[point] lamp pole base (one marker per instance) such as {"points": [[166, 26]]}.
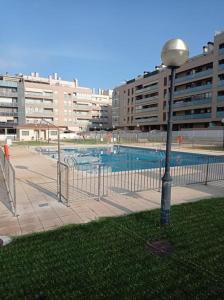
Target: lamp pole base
{"points": [[165, 200]]}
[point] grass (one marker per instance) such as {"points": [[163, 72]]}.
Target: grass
{"points": [[108, 259], [34, 143], [86, 142], [212, 148]]}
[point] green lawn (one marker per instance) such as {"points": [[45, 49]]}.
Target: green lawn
{"points": [[212, 148], [86, 141], [108, 259], [34, 143]]}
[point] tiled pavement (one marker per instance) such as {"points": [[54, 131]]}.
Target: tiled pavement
{"points": [[38, 208]]}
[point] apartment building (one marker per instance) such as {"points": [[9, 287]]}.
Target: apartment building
{"points": [[28, 99], [141, 102]]}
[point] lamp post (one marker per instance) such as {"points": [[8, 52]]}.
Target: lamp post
{"points": [[174, 54], [222, 133], [100, 132], [113, 132]]}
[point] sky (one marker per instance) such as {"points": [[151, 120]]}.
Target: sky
{"points": [[101, 43]]}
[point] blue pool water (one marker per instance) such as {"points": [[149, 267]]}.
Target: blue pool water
{"points": [[121, 158]]}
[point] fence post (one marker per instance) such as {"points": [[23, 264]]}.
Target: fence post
{"points": [[160, 174], [99, 181], [207, 170], [67, 185]]}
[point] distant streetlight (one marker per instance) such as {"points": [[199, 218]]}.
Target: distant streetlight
{"points": [[174, 54], [222, 133]]}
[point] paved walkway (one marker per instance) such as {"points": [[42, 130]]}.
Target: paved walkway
{"points": [[38, 209]]}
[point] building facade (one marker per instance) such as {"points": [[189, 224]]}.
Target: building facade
{"points": [[28, 99], [141, 103]]}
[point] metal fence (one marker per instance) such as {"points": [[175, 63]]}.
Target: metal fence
{"points": [[63, 182], [99, 180], [188, 137], [8, 173]]}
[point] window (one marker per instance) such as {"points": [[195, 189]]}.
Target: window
{"points": [[53, 132], [25, 133]]}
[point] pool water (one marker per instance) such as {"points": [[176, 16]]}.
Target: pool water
{"points": [[122, 158]]}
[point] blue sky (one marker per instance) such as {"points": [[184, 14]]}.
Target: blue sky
{"points": [[101, 43]]}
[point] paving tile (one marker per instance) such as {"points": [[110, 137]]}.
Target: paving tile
{"points": [[71, 219], [52, 223], [10, 230], [31, 228]]}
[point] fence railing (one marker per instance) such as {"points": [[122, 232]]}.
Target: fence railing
{"points": [[98, 180], [8, 173]]}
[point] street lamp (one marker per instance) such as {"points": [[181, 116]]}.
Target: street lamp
{"points": [[222, 133], [174, 54]]}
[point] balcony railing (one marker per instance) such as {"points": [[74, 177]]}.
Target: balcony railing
{"points": [[8, 83], [221, 83], [39, 95], [151, 120], [8, 104], [82, 107], [8, 94], [140, 101], [192, 103], [193, 89], [9, 114], [220, 114], [148, 110], [220, 98], [192, 116], [149, 88], [38, 113], [221, 67], [221, 51], [194, 76], [8, 124]]}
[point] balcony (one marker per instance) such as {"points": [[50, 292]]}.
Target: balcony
{"points": [[220, 114], [221, 83], [147, 89], [8, 114], [193, 89], [221, 51], [194, 76], [192, 116], [6, 83], [192, 103], [7, 104]]}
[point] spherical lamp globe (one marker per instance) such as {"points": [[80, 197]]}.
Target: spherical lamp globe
{"points": [[175, 53]]}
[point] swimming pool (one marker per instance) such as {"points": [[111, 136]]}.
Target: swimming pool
{"points": [[122, 158]]}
